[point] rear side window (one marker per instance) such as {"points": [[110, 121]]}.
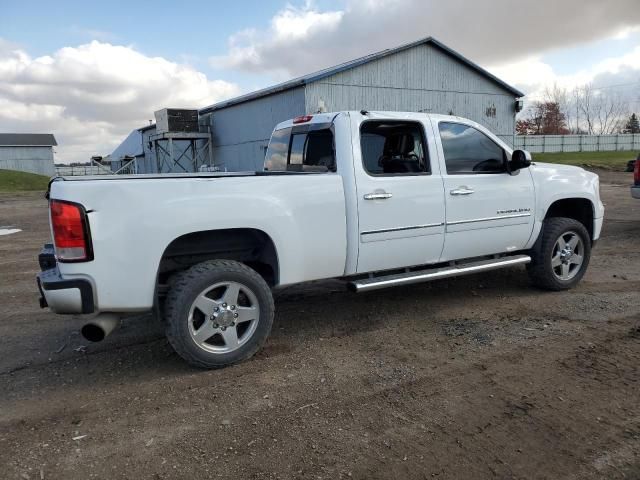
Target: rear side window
{"points": [[469, 151], [277, 151], [301, 151], [393, 148]]}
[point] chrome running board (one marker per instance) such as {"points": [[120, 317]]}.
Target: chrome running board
{"points": [[374, 283]]}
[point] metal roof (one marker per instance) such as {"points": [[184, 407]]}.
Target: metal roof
{"points": [[147, 127], [27, 140], [319, 75], [130, 146]]}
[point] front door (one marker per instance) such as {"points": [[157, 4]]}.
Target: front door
{"points": [[400, 196], [489, 211]]}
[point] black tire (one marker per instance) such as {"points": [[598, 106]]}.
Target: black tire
{"points": [[540, 270], [188, 285]]}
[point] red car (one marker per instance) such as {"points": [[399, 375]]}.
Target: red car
{"points": [[635, 188]]}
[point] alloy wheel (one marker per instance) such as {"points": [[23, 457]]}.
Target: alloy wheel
{"points": [[223, 317], [567, 256]]}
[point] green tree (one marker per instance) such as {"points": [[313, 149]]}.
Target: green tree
{"points": [[632, 125]]}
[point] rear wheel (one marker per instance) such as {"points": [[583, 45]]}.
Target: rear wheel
{"points": [[218, 313], [561, 255]]}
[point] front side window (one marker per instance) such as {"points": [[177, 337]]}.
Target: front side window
{"points": [[469, 151], [393, 148], [302, 151]]}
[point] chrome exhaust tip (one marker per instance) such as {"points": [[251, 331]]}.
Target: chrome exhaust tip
{"points": [[100, 327]]}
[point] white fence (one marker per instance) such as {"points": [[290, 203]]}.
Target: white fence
{"points": [[68, 171], [577, 143]]}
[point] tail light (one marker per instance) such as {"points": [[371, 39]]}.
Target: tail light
{"points": [[71, 234], [636, 172], [302, 119]]}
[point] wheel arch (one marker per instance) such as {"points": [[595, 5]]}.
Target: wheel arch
{"points": [[250, 246], [577, 208]]}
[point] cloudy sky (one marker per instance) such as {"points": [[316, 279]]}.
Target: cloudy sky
{"points": [[91, 73]]}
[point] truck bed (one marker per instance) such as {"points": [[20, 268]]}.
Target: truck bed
{"points": [[133, 222]]}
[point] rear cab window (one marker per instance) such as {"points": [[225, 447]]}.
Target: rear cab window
{"points": [[391, 147], [305, 148]]}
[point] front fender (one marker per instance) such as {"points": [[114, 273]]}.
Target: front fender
{"points": [[560, 182]]}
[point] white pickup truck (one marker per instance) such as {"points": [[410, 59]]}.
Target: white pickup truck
{"points": [[375, 198]]}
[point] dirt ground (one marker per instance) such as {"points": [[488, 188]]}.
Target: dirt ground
{"points": [[474, 377]]}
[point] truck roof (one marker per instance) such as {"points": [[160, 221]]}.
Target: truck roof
{"points": [[373, 114]]}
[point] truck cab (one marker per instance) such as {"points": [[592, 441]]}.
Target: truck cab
{"points": [[418, 187]]}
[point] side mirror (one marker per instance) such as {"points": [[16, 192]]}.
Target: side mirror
{"points": [[519, 159]]}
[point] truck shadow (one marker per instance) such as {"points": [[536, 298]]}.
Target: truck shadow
{"points": [[305, 313], [327, 309]]}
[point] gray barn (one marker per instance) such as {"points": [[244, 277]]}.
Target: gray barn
{"points": [[27, 152], [136, 145], [423, 76]]}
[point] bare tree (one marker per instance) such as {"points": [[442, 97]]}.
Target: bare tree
{"points": [[602, 112], [575, 106], [618, 113], [584, 100]]}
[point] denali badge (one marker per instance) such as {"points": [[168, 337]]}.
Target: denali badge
{"points": [[516, 210]]}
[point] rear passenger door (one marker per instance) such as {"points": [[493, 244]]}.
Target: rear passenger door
{"points": [[489, 211], [399, 195]]}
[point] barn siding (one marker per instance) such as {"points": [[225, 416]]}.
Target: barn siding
{"points": [[240, 133], [247, 156], [150, 162], [419, 79], [28, 159]]}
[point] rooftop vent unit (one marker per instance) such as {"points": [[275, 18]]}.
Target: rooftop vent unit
{"points": [[178, 143], [176, 120]]}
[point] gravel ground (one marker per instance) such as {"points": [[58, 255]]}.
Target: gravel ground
{"points": [[474, 377]]}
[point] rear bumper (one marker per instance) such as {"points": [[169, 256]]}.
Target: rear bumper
{"points": [[635, 191], [59, 294]]}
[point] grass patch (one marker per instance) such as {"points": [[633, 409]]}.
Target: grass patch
{"points": [[616, 161], [12, 181]]}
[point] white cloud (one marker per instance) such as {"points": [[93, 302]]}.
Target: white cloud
{"points": [[534, 75], [305, 39], [297, 23], [288, 27], [619, 64], [92, 95], [626, 32]]}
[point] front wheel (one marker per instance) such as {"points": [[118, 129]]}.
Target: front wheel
{"points": [[561, 255], [218, 313]]}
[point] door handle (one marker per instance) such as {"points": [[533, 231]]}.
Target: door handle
{"points": [[377, 196], [461, 191]]}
